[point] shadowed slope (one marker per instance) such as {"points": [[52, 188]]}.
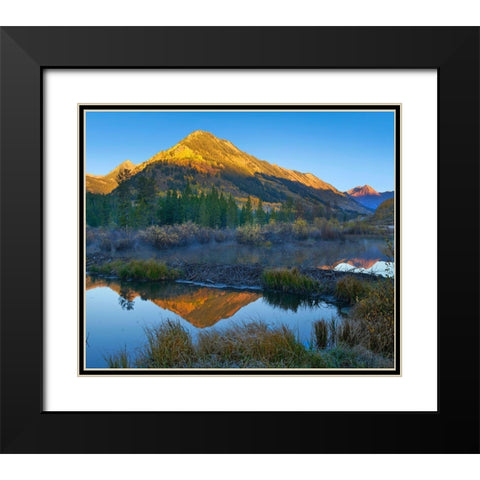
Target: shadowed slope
{"points": [[205, 160]]}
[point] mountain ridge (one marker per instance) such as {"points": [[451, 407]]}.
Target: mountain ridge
{"points": [[206, 160], [106, 183], [361, 191], [368, 196]]}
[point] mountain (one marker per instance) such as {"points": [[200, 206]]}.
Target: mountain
{"points": [[203, 160], [106, 183], [385, 212], [368, 196]]}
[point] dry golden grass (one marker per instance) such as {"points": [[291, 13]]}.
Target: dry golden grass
{"points": [[289, 281], [253, 343], [351, 289], [169, 345], [136, 270], [249, 345]]}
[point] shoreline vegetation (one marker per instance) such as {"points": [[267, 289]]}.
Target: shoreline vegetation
{"points": [[162, 237], [364, 339], [297, 280], [252, 345]]}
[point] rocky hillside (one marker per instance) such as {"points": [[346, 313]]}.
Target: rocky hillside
{"points": [[203, 160]]}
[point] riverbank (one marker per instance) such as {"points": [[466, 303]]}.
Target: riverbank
{"points": [[368, 325], [253, 345], [234, 275]]}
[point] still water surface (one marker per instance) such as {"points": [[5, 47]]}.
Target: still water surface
{"points": [[117, 313]]}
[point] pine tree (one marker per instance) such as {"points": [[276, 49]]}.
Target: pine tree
{"points": [[260, 215], [124, 204], [232, 212], [246, 215]]}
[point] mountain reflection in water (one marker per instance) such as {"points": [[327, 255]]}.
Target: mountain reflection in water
{"points": [[201, 306], [374, 266], [117, 313]]}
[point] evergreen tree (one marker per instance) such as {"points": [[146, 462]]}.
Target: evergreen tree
{"points": [[123, 193], [260, 215], [246, 215], [145, 201], [223, 210], [232, 212], [203, 216], [213, 207]]}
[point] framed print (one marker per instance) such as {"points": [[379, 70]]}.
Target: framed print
{"points": [[246, 267], [238, 230]]}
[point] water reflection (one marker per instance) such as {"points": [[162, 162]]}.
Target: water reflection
{"points": [[372, 267], [117, 313], [289, 301], [200, 306], [375, 266], [303, 253]]}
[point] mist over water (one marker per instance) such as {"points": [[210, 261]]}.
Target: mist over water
{"points": [[117, 313], [323, 253]]}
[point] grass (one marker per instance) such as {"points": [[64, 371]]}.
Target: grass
{"points": [[121, 359], [248, 345], [251, 345], [342, 356], [350, 289], [289, 281], [320, 331], [254, 344], [136, 270], [371, 321], [376, 317], [169, 345]]}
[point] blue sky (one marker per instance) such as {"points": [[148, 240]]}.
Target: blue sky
{"points": [[345, 149]]}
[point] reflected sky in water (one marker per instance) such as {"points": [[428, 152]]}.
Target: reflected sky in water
{"points": [[117, 313]]}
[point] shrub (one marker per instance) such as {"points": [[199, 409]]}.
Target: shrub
{"points": [[277, 232], [289, 281], [360, 227], [105, 243], [168, 236], [376, 316], [90, 236], [300, 229], [351, 289], [203, 235], [250, 235], [327, 229], [219, 236], [125, 243], [159, 237]]}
